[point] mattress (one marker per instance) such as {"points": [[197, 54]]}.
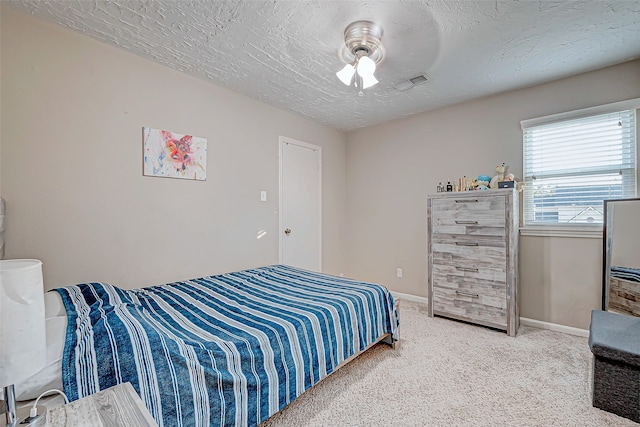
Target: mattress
{"points": [[231, 349]]}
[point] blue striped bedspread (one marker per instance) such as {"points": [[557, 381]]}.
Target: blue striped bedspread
{"points": [[231, 349], [627, 273]]}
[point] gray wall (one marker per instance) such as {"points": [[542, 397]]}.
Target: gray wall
{"points": [[393, 166], [71, 168]]}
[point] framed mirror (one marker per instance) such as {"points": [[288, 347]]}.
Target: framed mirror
{"points": [[621, 256]]}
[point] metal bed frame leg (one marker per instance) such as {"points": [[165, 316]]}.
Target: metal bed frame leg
{"points": [[388, 339]]}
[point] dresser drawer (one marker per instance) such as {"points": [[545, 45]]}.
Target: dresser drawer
{"points": [[471, 306], [469, 252], [452, 228], [469, 207], [485, 280], [469, 216]]}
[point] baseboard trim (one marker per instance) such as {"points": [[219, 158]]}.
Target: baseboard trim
{"points": [[409, 297], [523, 320], [554, 327]]}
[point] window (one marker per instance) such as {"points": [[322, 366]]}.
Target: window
{"points": [[574, 161]]}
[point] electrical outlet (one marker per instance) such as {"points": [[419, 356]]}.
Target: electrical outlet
{"points": [[398, 272]]}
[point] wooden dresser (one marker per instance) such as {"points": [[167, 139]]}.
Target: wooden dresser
{"points": [[472, 245]]}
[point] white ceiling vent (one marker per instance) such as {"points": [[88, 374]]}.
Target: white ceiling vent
{"points": [[409, 83]]}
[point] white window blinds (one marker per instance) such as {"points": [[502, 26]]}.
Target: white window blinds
{"points": [[571, 166]]}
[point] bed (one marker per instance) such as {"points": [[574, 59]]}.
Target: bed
{"points": [[230, 349], [624, 290]]}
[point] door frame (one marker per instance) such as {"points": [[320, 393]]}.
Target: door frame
{"points": [[282, 141]]}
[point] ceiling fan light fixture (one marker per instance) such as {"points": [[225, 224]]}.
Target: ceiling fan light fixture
{"points": [[368, 81], [346, 74], [366, 67], [362, 52]]}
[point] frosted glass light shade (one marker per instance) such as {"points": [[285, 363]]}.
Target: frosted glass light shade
{"points": [[346, 74], [368, 81], [22, 325], [366, 66]]}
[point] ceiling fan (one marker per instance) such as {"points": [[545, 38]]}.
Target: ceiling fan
{"points": [[362, 52]]}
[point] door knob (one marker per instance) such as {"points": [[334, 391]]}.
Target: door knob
{"points": [[287, 231]]}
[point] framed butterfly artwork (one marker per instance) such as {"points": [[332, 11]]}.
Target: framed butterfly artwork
{"points": [[174, 155]]}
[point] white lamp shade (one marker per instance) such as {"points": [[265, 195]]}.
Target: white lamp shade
{"points": [[346, 74], [368, 81], [22, 324], [366, 67]]}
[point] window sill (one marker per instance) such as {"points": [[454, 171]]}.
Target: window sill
{"points": [[589, 232]]}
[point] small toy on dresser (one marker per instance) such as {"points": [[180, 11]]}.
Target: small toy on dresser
{"points": [[510, 182], [500, 169], [483, 182]]}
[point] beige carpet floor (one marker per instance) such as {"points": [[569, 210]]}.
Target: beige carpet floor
{"points": [[449, 373]]}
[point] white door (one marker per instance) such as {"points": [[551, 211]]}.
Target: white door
{"points": [[300, 204]]}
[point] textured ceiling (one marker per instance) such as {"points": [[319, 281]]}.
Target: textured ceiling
{"points": [[285, 53]]}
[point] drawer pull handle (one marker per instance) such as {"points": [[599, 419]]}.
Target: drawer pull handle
{"points": [[467, 294], [467, 243], [475, 270], [466, 222], [467, 201]]}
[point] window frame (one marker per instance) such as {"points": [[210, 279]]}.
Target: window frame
{"points": [[576, 230]]}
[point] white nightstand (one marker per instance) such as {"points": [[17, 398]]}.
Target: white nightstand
{"points": [[117, 406]]}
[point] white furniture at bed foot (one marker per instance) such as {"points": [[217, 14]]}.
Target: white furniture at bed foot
{"points": [[117, 406]]}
